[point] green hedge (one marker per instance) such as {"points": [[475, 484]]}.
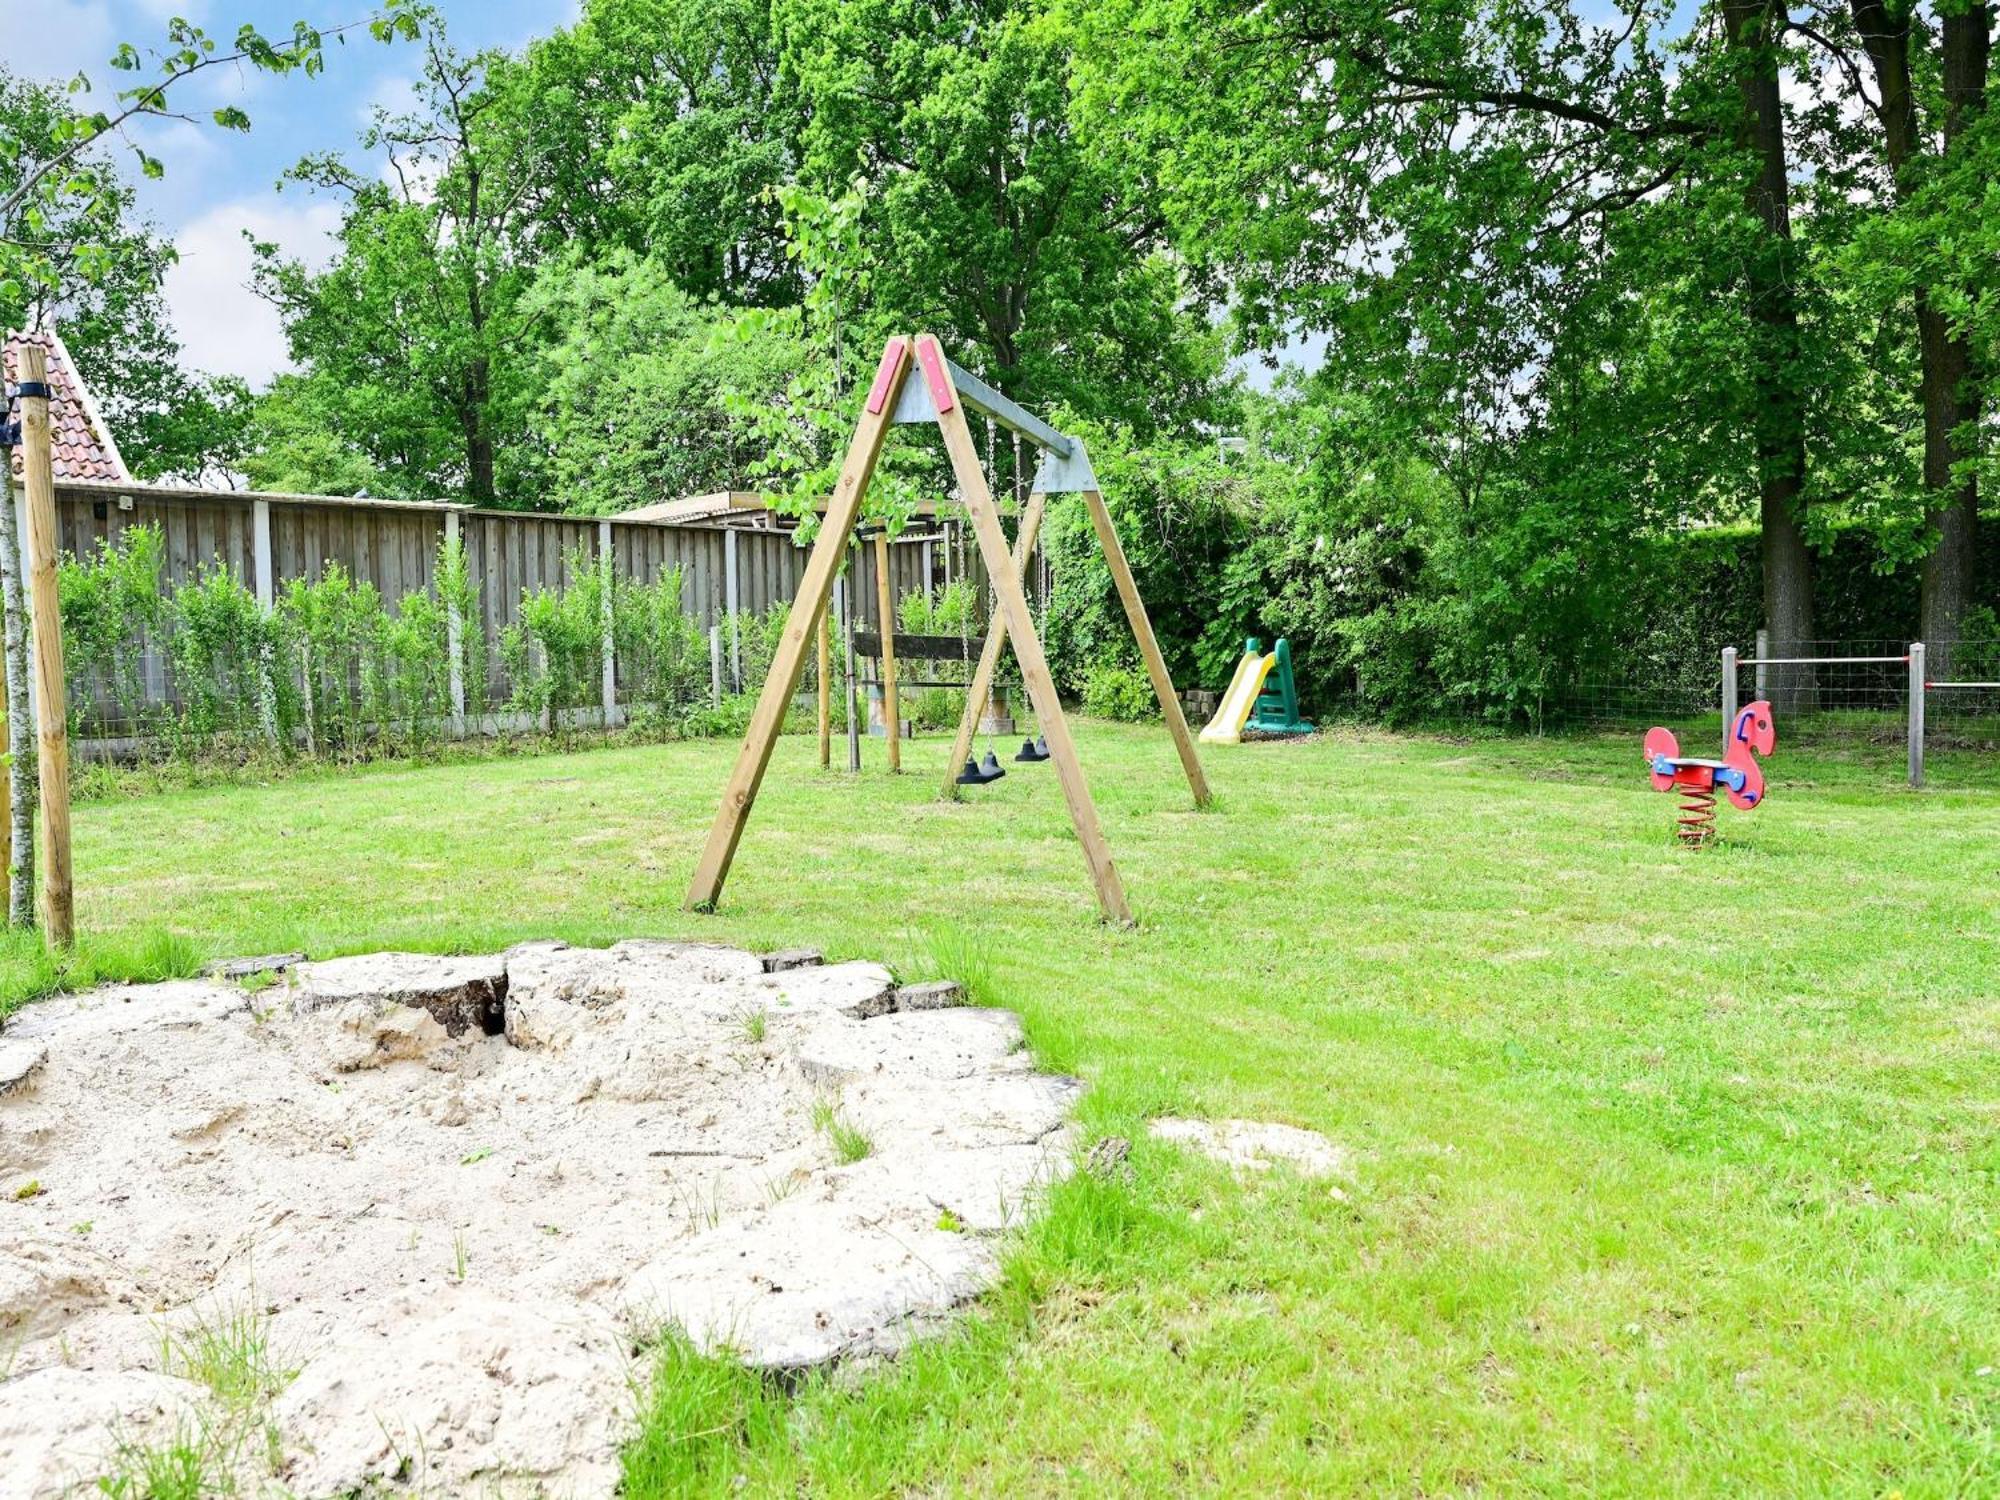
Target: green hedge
{"points": [[1402, 601], [1716, 572]]}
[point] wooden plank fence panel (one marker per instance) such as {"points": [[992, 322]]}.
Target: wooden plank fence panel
{"points": [[394, 545]]}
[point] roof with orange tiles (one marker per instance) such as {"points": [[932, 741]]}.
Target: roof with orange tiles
{"points": [[84, 447]]}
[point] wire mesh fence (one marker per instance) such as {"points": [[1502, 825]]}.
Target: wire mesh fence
{"points": [[1962, 696], [1848, 696]]}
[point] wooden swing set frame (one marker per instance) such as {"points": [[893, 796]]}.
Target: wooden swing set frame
{"points": [[943, 395]]}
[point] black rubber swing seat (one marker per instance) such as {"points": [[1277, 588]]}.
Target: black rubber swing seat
{"points": [[987, 770], [1034, 750]]}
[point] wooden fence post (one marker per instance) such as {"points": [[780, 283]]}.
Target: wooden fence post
{"points": [[52, 710]]}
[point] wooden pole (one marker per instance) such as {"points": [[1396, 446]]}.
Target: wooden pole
{"points": [[1027, 647], [885, 614], [51, 704], [740, 794], [825, 692], [981, 686], [1149, 647]]}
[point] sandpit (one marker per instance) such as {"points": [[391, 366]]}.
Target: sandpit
{"points": [[452, 1200]]}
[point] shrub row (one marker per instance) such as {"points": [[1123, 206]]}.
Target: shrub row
{"points": [[335, 670]]}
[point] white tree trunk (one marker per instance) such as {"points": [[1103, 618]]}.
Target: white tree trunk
{"points": [[20, 721]]}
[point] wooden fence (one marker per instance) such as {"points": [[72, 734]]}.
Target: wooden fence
{"points": [[268, 540]]}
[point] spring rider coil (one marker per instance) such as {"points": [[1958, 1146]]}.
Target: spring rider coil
{"points": [[1751, 734]]}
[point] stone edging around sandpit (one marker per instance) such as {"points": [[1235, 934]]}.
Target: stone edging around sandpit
{"points": [[452, 1196]]}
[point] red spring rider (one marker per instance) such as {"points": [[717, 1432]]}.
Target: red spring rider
{"points": [[1750, 735]]}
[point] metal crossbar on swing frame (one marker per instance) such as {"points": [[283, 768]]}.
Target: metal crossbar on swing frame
{"points": [[943, 394]]}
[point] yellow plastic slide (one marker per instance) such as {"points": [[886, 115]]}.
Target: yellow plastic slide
{"points": [[1226, 728]]}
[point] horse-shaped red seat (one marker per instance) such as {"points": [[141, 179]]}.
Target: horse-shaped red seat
{"points": [[1751, 734]]}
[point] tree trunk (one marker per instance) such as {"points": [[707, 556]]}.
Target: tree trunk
{"points": [[1778, 423], [1948, 394], [478, 435], [1951, 390], [22, 782], [1950, 410]]}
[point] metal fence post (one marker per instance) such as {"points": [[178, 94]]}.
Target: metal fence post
{"points": [[1728, 693], [267, 598], [454, 634], [847, 652], [731, 601], [1763, 672], [607, 571], [1916, 713], [260, 553]]}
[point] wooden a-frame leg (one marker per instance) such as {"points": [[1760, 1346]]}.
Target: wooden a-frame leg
{"points": [[981, 685], [885, 617], [814, 588], [1034, 668], [1149, 647]]}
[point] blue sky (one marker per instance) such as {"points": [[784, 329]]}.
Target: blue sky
{"points": [[219, 183]]}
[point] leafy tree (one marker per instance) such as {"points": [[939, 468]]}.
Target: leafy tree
{"points": [[1917, 82], [992, 220], [102, 289], [1445, 192], [293, 442], [633, 404], [418, 326], [658, 131], [800, 428]]}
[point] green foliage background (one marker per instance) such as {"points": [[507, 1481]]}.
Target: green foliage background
{"points": [[1564, 361]]}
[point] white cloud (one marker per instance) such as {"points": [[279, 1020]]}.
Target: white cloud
{"points": [[394, 92], [224, 327], [67, 37]]}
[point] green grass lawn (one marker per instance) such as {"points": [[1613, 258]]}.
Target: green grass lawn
{"points": [[1677, 1171]]}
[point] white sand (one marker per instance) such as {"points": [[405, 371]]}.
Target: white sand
{"points": [[458, 1241]]}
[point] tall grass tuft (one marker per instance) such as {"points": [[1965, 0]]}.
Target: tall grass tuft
{"points": [[956, 952], [31, 970], [184, 1467], [707, 1425], [230, 1353]]}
